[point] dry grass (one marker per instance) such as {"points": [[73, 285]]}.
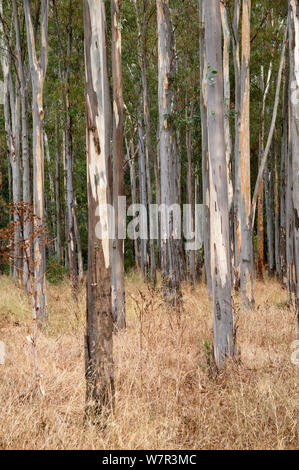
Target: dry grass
{"points": [[166, 394]]}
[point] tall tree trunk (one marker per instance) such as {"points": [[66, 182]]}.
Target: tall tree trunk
{"points": [[143, 198], [64, 72], [219, 207], [131, 158], [168, 157], [245, 194], [38, 70], [294, 104], [237, 160], [99, 367], [260, 218], [276, 211], [118, 282], [283, 176], [268, 183], [12, 131], [204, 145], [59, 250], [25, 135], [190, 193], [142, 58]]}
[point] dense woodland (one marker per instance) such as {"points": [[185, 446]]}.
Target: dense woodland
{"points": [[186, 102]]}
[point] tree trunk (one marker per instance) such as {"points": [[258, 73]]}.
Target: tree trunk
{"points": [[118, 282], [59, 250], [294, 104], [190, 194], [283, 176], [25, 136], [142, 57], [204, 145], [99, 367], [219, 207], [38, 70], [260, 218], [245, 193], [237, 161], [143, 199], [168, 158]]}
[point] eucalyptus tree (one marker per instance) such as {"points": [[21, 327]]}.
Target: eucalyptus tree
{"points": [[246, 271], [219, 203], [99, 368], [118, 282], [23, 83], [38, 69], [294, 126], [168, 156], [11, 89], [204, 145]]}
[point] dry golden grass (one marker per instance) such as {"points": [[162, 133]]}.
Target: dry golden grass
{"points": [[167, 396]]}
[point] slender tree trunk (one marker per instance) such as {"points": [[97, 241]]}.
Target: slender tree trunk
{"points": [[283, 176], [59, 250], [294, 104], [99, 368], [131, 158], [25, 136], [204, 145], [237, 160], [51, 203], [38, 70], [168, 158], [245, 193], [142, 56], [143, 199], [190, 193], [268, 178], [219, 207], [260, 224], [12, 131], [118, 282], [79, 247], [276, 211]]}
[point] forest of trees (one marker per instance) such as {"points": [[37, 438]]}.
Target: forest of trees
{"points": [[188, 106]]}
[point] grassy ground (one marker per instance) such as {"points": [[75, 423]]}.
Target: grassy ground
{"points": [[166, 394]]}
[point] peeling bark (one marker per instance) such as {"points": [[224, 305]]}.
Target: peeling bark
{"points": [[99, 368], [38, 70], [219, 204], [170, 256]]}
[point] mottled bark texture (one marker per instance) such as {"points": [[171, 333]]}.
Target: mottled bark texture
{"points": [[219, 204], [294, 114], [38, 70], [170, 256], [246, 271], [204, 146], [118, 281], [99, 339]]}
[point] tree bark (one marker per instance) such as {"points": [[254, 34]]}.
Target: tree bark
{"points": [[204, 145], [118, 282], [245, 192], [99, 367], [168, 157], [294, 114], [38, 70], [219, 206]]}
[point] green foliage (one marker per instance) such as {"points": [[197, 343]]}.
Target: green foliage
{"points": [[55, 272]]}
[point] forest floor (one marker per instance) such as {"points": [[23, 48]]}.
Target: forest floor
{"points": [[167, 394]]}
